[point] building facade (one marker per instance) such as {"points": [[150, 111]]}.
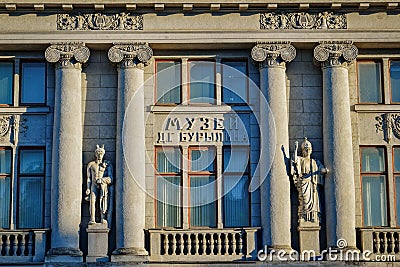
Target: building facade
{"points": [[231, 132]]}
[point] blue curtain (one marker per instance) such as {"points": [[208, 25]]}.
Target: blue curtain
{"points": [[236, 201], [202, 201], [168, 201], [5, 202]]}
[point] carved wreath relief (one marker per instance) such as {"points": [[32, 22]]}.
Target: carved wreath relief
{"points": [[388, 123], [98, 21], [302, 20]]}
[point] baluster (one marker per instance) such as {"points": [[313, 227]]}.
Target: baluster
{"points": [[384, 242], [396, 242], [30, 243], [196, 244], [219, 245], [14, 245], [226, 243], [204, 245], [376, 242], [22, 244], [189, 244], [241, 243], [166, 244], [212, 244], [173, 244], [7, 245]]}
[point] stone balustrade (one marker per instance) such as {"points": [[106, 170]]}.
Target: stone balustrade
{"points": [[203, 245], [382, 241], [22, 246]]}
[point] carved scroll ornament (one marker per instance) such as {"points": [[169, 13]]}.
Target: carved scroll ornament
{"points": [[130, 54], [335, 53], [389, 124], [273, 54], [64, 52]]}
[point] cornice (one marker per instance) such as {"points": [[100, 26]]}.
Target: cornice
{"points": [[199, 5]]}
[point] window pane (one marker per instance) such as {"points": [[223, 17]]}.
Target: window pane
{"points": [[202, 82], [236, 201], [397, 181], [395, 80], [168, 202], [374, 200], [5, 161], [6, 82], [5, 202], [31, 161], [396, 157], [373, 159], [236, 159], [168, 82], [33, 82], [169, 160], [234, 81], [202, 159], [202, 201], [30, 211], [369, 82]]}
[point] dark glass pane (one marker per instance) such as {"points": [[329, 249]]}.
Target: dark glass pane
{"points": [[5, 161], [168, 82], [234, 82], [397, 181], [369, 82], [33, 82], [202, 82], [203, 201], [396, 158], [5, 202], [30, 209], [6, 82], [168, 202], [202, 159], [31, 161], [236, 159], [374, 200], [395, 80], [236, 201], [373, 159], [169, 160]]}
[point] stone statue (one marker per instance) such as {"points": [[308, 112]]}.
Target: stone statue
{"points": [[307, 174], [100, 187]]}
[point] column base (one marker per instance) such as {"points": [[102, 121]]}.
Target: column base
{"points": [[64, 254], [130, 255]]}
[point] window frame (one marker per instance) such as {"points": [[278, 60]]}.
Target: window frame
{"points": [[168, 174], [382, 82], [155, 82], [10, 175], [384, 173], [204, 174], [18, 183], [12, 83], [21, 77], [390, 80], [244, 60]]}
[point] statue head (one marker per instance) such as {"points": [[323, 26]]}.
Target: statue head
{"points": [[99, 152], [306, 148]]}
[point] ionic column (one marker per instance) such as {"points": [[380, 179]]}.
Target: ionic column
{"points": [[66, 184], [274, 130], [130, 151], [338, 151]]}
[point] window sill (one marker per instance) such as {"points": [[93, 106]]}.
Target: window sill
{"points": [[25, 110], [372, 108]]}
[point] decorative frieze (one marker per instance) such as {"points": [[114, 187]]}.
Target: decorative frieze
{"points": [[302, 20], [273, 53], [130, 54], [64, 52], [388, 123], [99, 21], [335, 53]]}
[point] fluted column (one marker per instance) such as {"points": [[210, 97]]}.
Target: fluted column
{"points": [[338, 150], [130, 150], [274, 130], [66, 184]]}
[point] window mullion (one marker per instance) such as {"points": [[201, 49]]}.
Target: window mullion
{"points": [[386, 81], [17, 67], [219, 187], [185, 187], [218, 80], [390, 188], [184, 80], [14, 188]]}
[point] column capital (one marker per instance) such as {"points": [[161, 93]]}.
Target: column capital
{"points": [[335, 53], [64, 52], [273, 54], [130, 54]]}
